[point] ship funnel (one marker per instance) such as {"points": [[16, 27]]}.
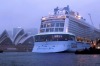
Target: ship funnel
{"points": [[67, 9], [56, 10]]}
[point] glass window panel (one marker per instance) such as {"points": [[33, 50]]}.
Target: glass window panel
{"points": [[54, 37], [48, 24], [51, 29], [57, 24], [42, 30], [61, 24], [52, 24], [47, 30], [61, 29], [56, 29]]}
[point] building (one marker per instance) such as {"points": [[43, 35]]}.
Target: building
{"points": [[21, 41], [15, 30], [5, 41]]}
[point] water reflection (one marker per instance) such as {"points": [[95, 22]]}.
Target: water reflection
{"points": [[95, 56], [88, 60], [49, 59]]}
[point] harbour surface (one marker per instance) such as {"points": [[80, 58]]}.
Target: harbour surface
{"points": [[48, 59]]}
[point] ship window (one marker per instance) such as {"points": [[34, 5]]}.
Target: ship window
{"points": [[57, 24], [56, 29], [54, 37], [48, 24], [42, 30], [52, 24], [61, 24], [51, 29], [44, 25], [47, 30], [61, 29]]}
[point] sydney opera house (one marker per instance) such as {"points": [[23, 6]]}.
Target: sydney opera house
{"points": [[21, 41]]}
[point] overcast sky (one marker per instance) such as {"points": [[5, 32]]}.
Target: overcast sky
{"points": [[27, 13]]}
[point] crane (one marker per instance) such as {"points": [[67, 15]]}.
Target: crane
{"points": [[91, 19]]}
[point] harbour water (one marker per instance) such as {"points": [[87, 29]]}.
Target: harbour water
{"points": [[47, 59]]}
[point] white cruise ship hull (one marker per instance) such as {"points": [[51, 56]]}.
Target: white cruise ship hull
{"points": [[56, 46]]}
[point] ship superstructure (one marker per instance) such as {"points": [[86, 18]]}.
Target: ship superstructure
{"points": [[66, 20]]}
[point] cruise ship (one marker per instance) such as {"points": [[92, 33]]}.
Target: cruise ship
{"points": [[65, 30]]}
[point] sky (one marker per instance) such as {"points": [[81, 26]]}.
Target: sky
{"points": [[28, 13]]}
